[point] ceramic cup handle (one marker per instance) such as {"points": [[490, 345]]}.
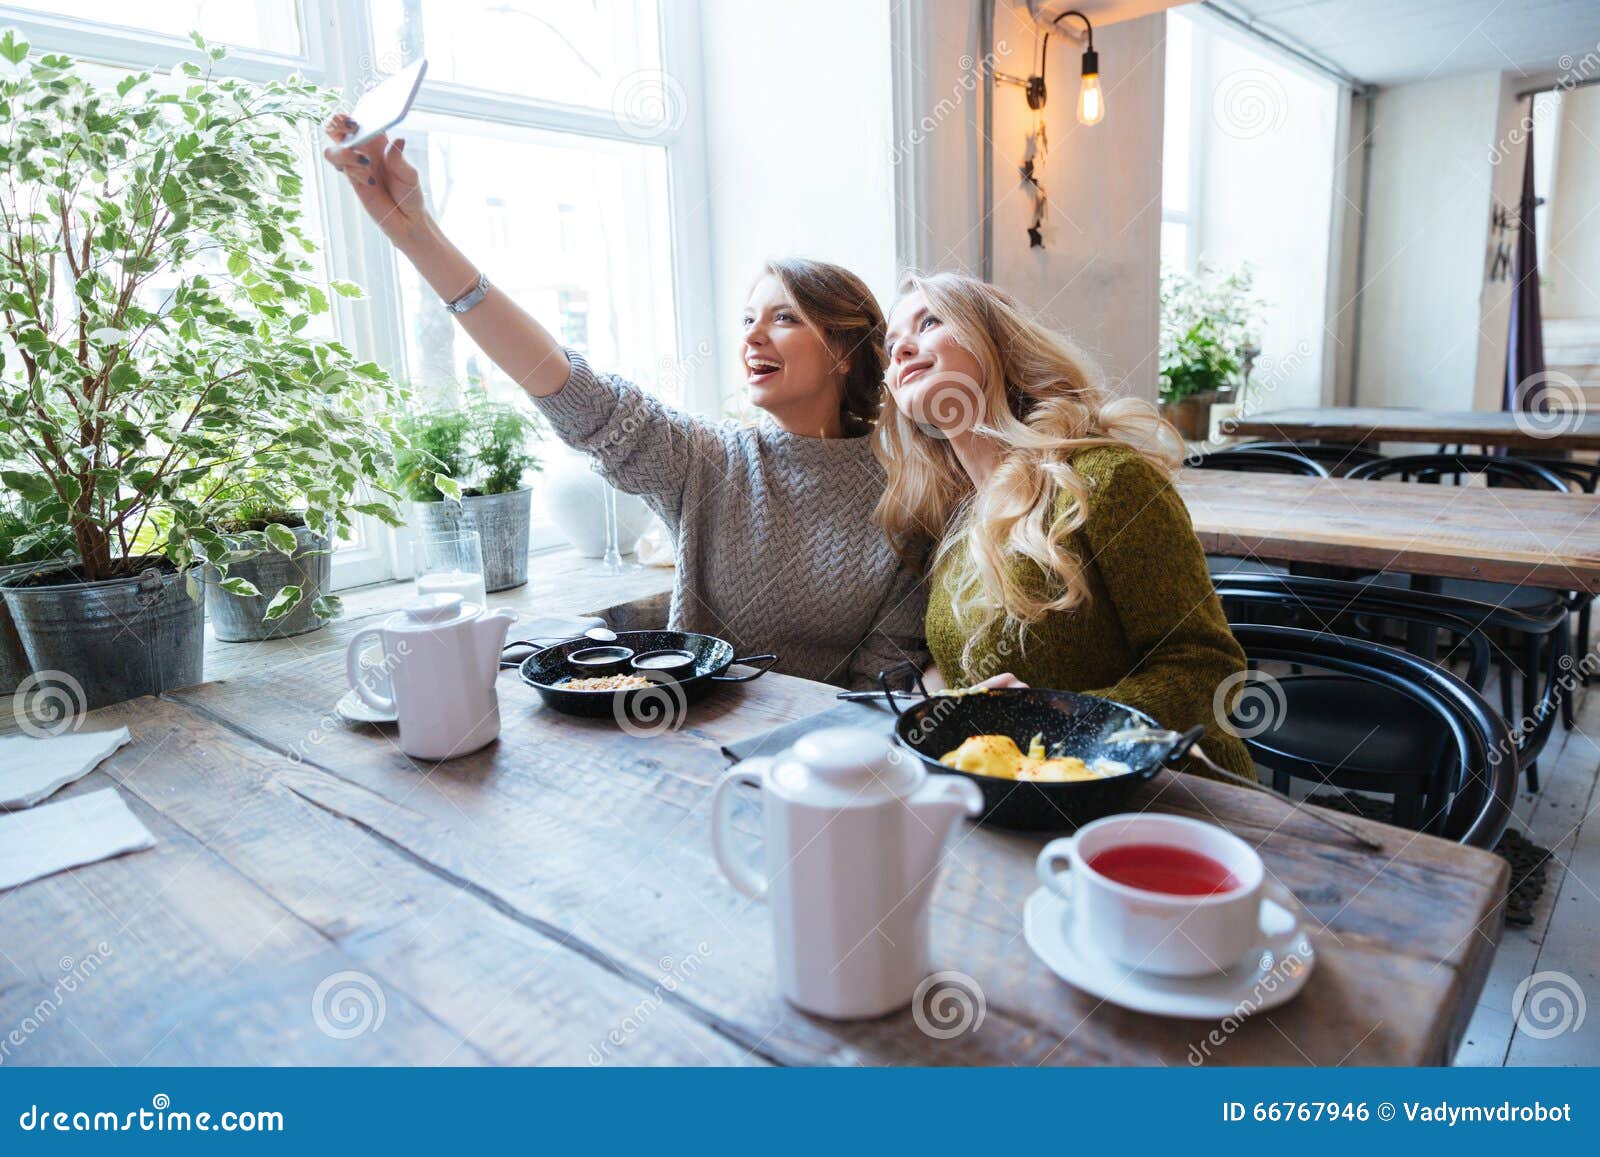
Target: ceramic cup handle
{"points": [[1056, 853], [1277, 936], [743, 875], [356, 673]]}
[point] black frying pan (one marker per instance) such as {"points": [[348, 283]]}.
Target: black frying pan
{"points": [[547, 668], [1071, 724]]}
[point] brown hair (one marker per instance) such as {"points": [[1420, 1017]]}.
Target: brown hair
{"points": [[839, 306]]}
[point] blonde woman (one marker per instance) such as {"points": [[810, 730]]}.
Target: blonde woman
{"points": [[1064, 556], [776, 548]]}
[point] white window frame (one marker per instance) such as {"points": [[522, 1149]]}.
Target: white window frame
{"points": [[337, 49]]}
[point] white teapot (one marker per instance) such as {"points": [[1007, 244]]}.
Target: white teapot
{"points": [[440, 660], [854, 832]]}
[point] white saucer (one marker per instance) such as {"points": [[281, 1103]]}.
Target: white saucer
{"points": [[358, 710], [1260, 982]]}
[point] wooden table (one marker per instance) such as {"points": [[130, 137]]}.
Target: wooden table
{"points": [[553, 899], [1571, 430], [1543, 539]]}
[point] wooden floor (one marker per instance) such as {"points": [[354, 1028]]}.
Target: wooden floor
{"points": [[1565, 937]]}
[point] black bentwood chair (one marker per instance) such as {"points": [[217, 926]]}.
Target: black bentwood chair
{"points": [[1389, 615], [1475, 760], [1497, 471], [1337, 458], [1252, 462]]}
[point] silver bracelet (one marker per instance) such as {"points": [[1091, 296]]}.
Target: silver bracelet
{"points": [[471, 298]]}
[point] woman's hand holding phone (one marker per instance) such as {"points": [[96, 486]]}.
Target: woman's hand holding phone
{"points": [[385, 182]]}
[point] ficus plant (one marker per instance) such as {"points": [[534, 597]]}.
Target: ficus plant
{"points": [[163, 373]]}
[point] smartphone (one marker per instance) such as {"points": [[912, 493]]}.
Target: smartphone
{"points": [[386, 103]]}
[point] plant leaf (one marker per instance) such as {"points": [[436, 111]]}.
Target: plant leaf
{"points": [[280, 538], [328, 607], [282, 603], [239, 586], [447, 486]]}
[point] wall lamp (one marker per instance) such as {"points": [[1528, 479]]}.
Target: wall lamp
{"points": [[1091, 101]]}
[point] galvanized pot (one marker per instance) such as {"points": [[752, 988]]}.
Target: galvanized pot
{"points": [[502, 522], [238, 618], [113, 640]]}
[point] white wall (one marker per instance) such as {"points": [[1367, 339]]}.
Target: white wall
{"points": [[1427, 235], [1572, 267], [1264, 141], [798, 124], [1098, 276]]}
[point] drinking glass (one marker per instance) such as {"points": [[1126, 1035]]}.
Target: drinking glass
{"points": [[614, 562], [450, 563]]}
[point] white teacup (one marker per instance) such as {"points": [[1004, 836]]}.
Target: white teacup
{"points": [[1164, 933]]}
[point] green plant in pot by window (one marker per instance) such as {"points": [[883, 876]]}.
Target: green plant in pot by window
{"points": [[17, 525], [463, 470], [279, 570], [1209, 321], [156, 306]]}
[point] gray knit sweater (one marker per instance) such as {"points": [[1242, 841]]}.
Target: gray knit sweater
{"points": [[776, 546]]}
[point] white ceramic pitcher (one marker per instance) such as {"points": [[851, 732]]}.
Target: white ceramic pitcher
{"points": [[854, 832], [440, 660]]}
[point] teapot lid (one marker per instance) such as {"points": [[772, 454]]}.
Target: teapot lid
{"points": [[430, 612], [846, 767]]}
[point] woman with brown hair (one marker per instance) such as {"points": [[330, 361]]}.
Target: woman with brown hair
{"points": [[776, 547], [1063, 558]]}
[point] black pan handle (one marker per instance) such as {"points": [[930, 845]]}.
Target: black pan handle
{"points": [[749, 661], [1182, 744], [905, 666]]}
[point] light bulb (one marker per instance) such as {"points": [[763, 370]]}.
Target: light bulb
{"points": [[1091, 101]]}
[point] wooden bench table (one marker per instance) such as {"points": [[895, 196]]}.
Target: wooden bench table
{"points": [[553, 899]]}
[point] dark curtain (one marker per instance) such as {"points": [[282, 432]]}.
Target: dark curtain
{"points": [[1525, 350]]}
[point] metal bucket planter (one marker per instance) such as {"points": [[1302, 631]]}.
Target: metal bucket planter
{"points": [[113, 640], [13, 663], [238, 618], [502, 522]]}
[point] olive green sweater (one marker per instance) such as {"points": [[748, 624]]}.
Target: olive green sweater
{"points": [[1152, 634]]}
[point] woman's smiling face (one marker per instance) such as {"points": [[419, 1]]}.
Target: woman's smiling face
{"points": [[788, 366], [932, 377]]}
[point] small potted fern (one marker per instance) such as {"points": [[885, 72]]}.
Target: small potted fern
{"points": [[463, 470]]}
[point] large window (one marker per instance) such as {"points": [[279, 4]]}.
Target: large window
{"points": [[1248, 180], [552, 135]]}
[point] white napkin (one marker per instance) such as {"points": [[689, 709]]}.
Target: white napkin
{"points": [[81, 830], [31, 769]]}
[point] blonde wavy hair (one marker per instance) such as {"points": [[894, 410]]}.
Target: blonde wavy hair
{"points": [[1041, 398]]}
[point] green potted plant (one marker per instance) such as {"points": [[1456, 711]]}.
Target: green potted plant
{"points": [[463, 470], [279, 573], [1208, 324], [157, 306]]}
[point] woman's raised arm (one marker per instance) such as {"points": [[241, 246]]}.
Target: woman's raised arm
{"points": [[387, 185]]}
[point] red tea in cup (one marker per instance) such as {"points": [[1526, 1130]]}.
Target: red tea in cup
{"points": [[1164, 868]]}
